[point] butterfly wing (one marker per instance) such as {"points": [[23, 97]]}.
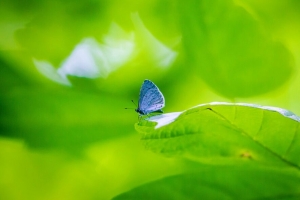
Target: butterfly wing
{"points": [[151, 99]]}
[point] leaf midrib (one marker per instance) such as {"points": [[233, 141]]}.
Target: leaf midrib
{"points": [[256, 141]]}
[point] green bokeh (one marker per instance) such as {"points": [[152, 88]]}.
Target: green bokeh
{"points": [[76, 141]]}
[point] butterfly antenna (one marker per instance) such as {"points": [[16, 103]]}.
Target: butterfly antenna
{"points": [[133, 102]]}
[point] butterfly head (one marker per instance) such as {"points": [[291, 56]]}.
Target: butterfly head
{"points": [[140, 111]]}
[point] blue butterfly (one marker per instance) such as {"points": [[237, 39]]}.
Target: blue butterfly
{"points": [[151, 99]]}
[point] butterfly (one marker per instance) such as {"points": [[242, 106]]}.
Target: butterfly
{"points": [[151, 99]]}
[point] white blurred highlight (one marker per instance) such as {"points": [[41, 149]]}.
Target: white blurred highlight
{"points": [[89, 59], [164, 119]]}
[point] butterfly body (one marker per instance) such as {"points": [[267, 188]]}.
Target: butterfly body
{"points": [[145, 113], [150, 100]]}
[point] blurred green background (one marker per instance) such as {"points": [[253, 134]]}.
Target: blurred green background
{"points": [[69, 68]]}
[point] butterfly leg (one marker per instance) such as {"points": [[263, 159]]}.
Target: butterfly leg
{"points": [[148, 116], [140, 117]]}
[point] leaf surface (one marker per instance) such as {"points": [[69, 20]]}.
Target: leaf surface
{"points": [[222, 132], [231, 50], [228, 183]]}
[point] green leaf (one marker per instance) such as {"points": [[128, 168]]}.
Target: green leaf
{"points": [[62, 118], [228, 183], [226, 132], [231, 51]]}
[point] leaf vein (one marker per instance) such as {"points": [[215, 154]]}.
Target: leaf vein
{"points": [[292, 142], [256, 141]]}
